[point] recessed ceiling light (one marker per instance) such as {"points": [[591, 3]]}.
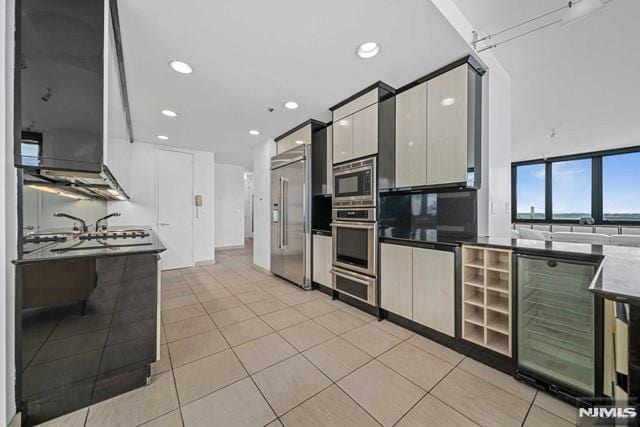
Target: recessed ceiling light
{"points": [[169, 113], [254, 132], [448, 101], [290, 105], [163, 137], [181, 67], [368, 50]]}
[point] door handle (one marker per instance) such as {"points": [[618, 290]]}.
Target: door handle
{"points": [[285, 197]]}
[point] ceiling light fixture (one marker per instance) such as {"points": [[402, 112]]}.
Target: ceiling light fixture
{"points": [[169, 113], [447, 101], [254, 132], [163, 137], [368, 50], [181, 67], [290, 105]]}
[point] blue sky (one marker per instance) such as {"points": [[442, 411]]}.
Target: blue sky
{"points": [[572, 185]]}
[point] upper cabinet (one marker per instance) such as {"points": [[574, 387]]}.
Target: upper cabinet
{"points": [[438, 129], [294, 138], [358, 123]]}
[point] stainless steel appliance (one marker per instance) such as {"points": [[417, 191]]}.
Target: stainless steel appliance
{"points": [[354, 183], [559, 334], [290, 221], [355, 238]]}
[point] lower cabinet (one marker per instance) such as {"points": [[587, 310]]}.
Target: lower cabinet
{"points": [[419, 284], [322, 260]]}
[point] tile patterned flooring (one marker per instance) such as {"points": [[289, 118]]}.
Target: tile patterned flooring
{"points": [[243, 348]]}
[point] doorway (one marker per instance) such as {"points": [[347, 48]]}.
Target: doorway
{"points": [[175, 208]]}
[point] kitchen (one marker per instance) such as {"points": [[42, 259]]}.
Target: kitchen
{"points": [[392, 276]]}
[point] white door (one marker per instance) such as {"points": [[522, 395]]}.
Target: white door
{"points": [[175, 208]]}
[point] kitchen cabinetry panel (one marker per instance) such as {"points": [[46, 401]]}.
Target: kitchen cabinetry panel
{"points": [[396, 292], [367, 99], [411, 137], [329, 189], [447, 130], [434, 289], [365, 132], [343, 140], [301, 136], [322, 260]]}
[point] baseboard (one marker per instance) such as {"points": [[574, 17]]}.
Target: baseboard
{"points": [[222, 248], [205, 262]]}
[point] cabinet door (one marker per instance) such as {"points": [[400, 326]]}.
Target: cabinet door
{"points": [[411, 137], [433, 289], [447, 127], [343, 140], [365, 132], [322, 260], [395, 279]]}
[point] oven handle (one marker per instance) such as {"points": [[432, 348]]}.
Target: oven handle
{"points": [[358, 225], [352, 276]]}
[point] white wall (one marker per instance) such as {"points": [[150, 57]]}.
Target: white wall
{"points": [[229, 205], [8, 223], [141, 209], [262, 154], [248, 204]]}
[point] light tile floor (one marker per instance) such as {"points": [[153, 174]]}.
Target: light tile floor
{"points": [[243, 348]]}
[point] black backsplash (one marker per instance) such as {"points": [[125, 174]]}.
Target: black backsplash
{"points": [[321, 213], [448, 214]]}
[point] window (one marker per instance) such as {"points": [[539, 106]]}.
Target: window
{"points": [[621, 187], [530, 190], [571, 189], [603, 186], [30, 150]]}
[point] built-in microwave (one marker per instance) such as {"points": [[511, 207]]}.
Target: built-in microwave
{"points": [[354, 183]]}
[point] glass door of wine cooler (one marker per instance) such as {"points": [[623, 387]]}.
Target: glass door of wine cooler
{"points": [[556, 315]]}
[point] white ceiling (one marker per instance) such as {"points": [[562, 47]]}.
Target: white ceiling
{"points": [[249, 55], [580, 79]]}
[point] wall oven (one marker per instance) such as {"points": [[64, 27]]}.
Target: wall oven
{"points": [[354, 183], [355, 236]]}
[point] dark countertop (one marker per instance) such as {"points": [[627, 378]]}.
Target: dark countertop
{"points": [[321, 232], [618, 274], [74, 247]]}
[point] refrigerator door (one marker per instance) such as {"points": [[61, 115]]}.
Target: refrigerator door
{"points": [[293, 178], [277, 251], [556, 312]]}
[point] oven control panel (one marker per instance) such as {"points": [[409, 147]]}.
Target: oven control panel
{"points": [[364, 215]]}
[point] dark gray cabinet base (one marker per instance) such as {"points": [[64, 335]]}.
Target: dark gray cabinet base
{"points": [[75, 351]]}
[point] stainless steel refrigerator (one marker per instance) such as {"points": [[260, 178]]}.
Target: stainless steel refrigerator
{"points": [[290, 218]]}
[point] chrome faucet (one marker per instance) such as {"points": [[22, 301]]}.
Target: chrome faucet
{"points": [[75, 218], [104, 218]]}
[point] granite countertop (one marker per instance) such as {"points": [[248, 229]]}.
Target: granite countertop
{"points": [[74, 247], [618, 274]]}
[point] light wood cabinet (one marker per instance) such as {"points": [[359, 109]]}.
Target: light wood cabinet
{"points": [[322, 247], [486, 297], [419, 284], [434, 289], [330, 159], [447, 127], [343, 140], [365, 131], [293, 140], [437, 131], [396, 275], [411, 137]]}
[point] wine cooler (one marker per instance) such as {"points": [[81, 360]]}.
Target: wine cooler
{"points": [[558, 325]]}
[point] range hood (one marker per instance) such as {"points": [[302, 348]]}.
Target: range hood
{"points": [[71, 99], [75, 184]]}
